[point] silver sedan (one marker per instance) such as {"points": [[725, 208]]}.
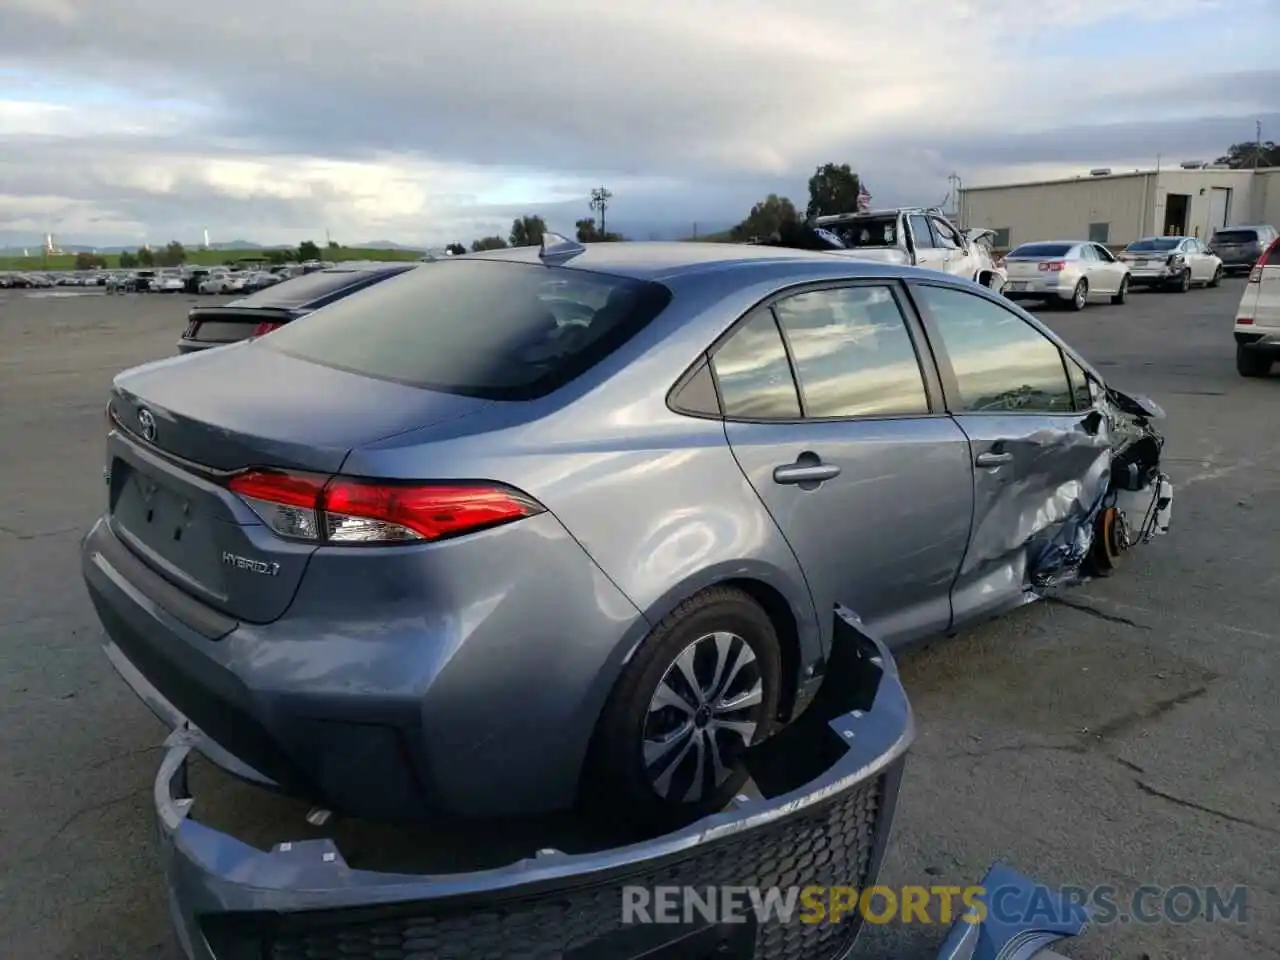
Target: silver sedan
{"points": [[1065, 271]]}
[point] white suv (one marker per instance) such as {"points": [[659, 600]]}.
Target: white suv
{"points": [[1258, 317]]}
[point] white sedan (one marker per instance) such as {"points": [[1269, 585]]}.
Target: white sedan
{"points": [[1068, 272], [1172, 263], [168, 283], [1258, 317], [222, 283]]}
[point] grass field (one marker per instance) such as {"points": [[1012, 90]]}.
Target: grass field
{"points": [[210, 258]]}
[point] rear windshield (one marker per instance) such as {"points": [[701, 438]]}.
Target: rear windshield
{"points": [[1154, 246], [1042, 250], [483, 328], [1235, 236], [301, 290]]}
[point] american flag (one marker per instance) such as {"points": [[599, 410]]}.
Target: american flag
{"points": [[864, 198]]}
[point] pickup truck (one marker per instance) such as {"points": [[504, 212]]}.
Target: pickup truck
{"points": [[913, 236]]}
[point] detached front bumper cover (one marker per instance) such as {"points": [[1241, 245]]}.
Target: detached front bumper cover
{"points": [[828, 786]]}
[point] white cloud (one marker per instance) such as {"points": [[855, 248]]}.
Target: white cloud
{"points": [[391, 119]]}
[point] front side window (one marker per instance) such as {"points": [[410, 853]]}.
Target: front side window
{"points": [[1080, 388], [753, 373], [920, 231], [1001, 362], [853, 354], [946, 237]]}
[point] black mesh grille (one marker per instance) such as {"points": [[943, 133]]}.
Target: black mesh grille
{"points": [[833, 844]]}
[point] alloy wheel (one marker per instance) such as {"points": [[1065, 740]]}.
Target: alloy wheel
{"points": [[703, 714]]}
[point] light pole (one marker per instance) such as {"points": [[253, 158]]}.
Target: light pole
{"points": [[600, 198]]}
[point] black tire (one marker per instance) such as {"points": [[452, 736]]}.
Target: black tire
{"points": [[1121, 295], [1252, 363], [1183, 283], [618, 785], [1079, 296], [1217, 277]]}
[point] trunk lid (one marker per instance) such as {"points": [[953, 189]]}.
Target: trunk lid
{"points": [[184, 424], [231, 324]]}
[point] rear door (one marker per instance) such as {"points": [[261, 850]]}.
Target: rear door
{"points": [[865, 475], [1007, 388], [1109, 268]]}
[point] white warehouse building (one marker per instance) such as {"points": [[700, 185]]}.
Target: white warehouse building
{"points": [[1118, 208]]}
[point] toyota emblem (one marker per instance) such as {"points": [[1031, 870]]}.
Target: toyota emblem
{"points": [[147, 421]]}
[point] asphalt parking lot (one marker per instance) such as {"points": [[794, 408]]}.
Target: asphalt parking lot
{"points": [[1126, 735]]}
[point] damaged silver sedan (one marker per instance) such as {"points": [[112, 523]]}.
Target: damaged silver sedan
{"points": [[530, 529]]}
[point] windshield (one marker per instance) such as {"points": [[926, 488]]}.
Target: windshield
{"points": [[1157, 245], [1236, 236], [482, 328], [1037, 250], [866, 232]]}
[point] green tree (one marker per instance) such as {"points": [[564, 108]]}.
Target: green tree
{"points": [[279, 256], [1245, 156], [127, 260], [766, 218], [307, 250], [455, 249], [587, 232], [333, 244], [487, 243], [527, 231], [833, 189], [145, 257], [172, 255], [89, 261]]}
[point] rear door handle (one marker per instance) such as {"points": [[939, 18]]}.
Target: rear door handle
{"points": [[989, 459], [805, 472]]}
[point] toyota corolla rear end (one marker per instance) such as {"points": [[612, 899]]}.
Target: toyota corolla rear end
{"points": [[338, 608]]}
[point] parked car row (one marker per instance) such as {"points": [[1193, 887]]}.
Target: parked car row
{"points": [[1073, 273]]}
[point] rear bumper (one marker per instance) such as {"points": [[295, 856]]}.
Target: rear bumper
{"points": [[829, 785], [1154, 278], [1264, 341], [410, 710], [1036, 290]]}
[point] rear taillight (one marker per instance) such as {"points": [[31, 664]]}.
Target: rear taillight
{"points": [[1055, 266], [266, 327], [343, 510], [1244, 321]]}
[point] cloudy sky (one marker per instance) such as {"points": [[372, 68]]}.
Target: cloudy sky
{"points": [[421, 121]]}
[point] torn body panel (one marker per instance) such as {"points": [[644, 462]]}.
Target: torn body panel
{"points": [[827, 787], [1047, 486]]}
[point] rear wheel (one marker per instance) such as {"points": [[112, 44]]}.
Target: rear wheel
{"points": [[1252, 363], [701, 689], [1121, 295], [1080, 295], [1217, 277], [1183, 283]]}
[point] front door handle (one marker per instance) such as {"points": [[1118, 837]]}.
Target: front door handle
{"points": [[805, 471], [990, 459]]}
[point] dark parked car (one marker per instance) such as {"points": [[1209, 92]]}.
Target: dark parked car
{"points": [[273, 307], [1240, 247], [518, 529]]}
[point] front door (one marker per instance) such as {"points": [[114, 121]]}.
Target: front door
{"points": [[960, 261], [868, 480], [1037, 456], [928, 253]]}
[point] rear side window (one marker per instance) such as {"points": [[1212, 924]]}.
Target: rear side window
{"points": [[482, 328], [1002, 363], [753, 372], [853, 355]]}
